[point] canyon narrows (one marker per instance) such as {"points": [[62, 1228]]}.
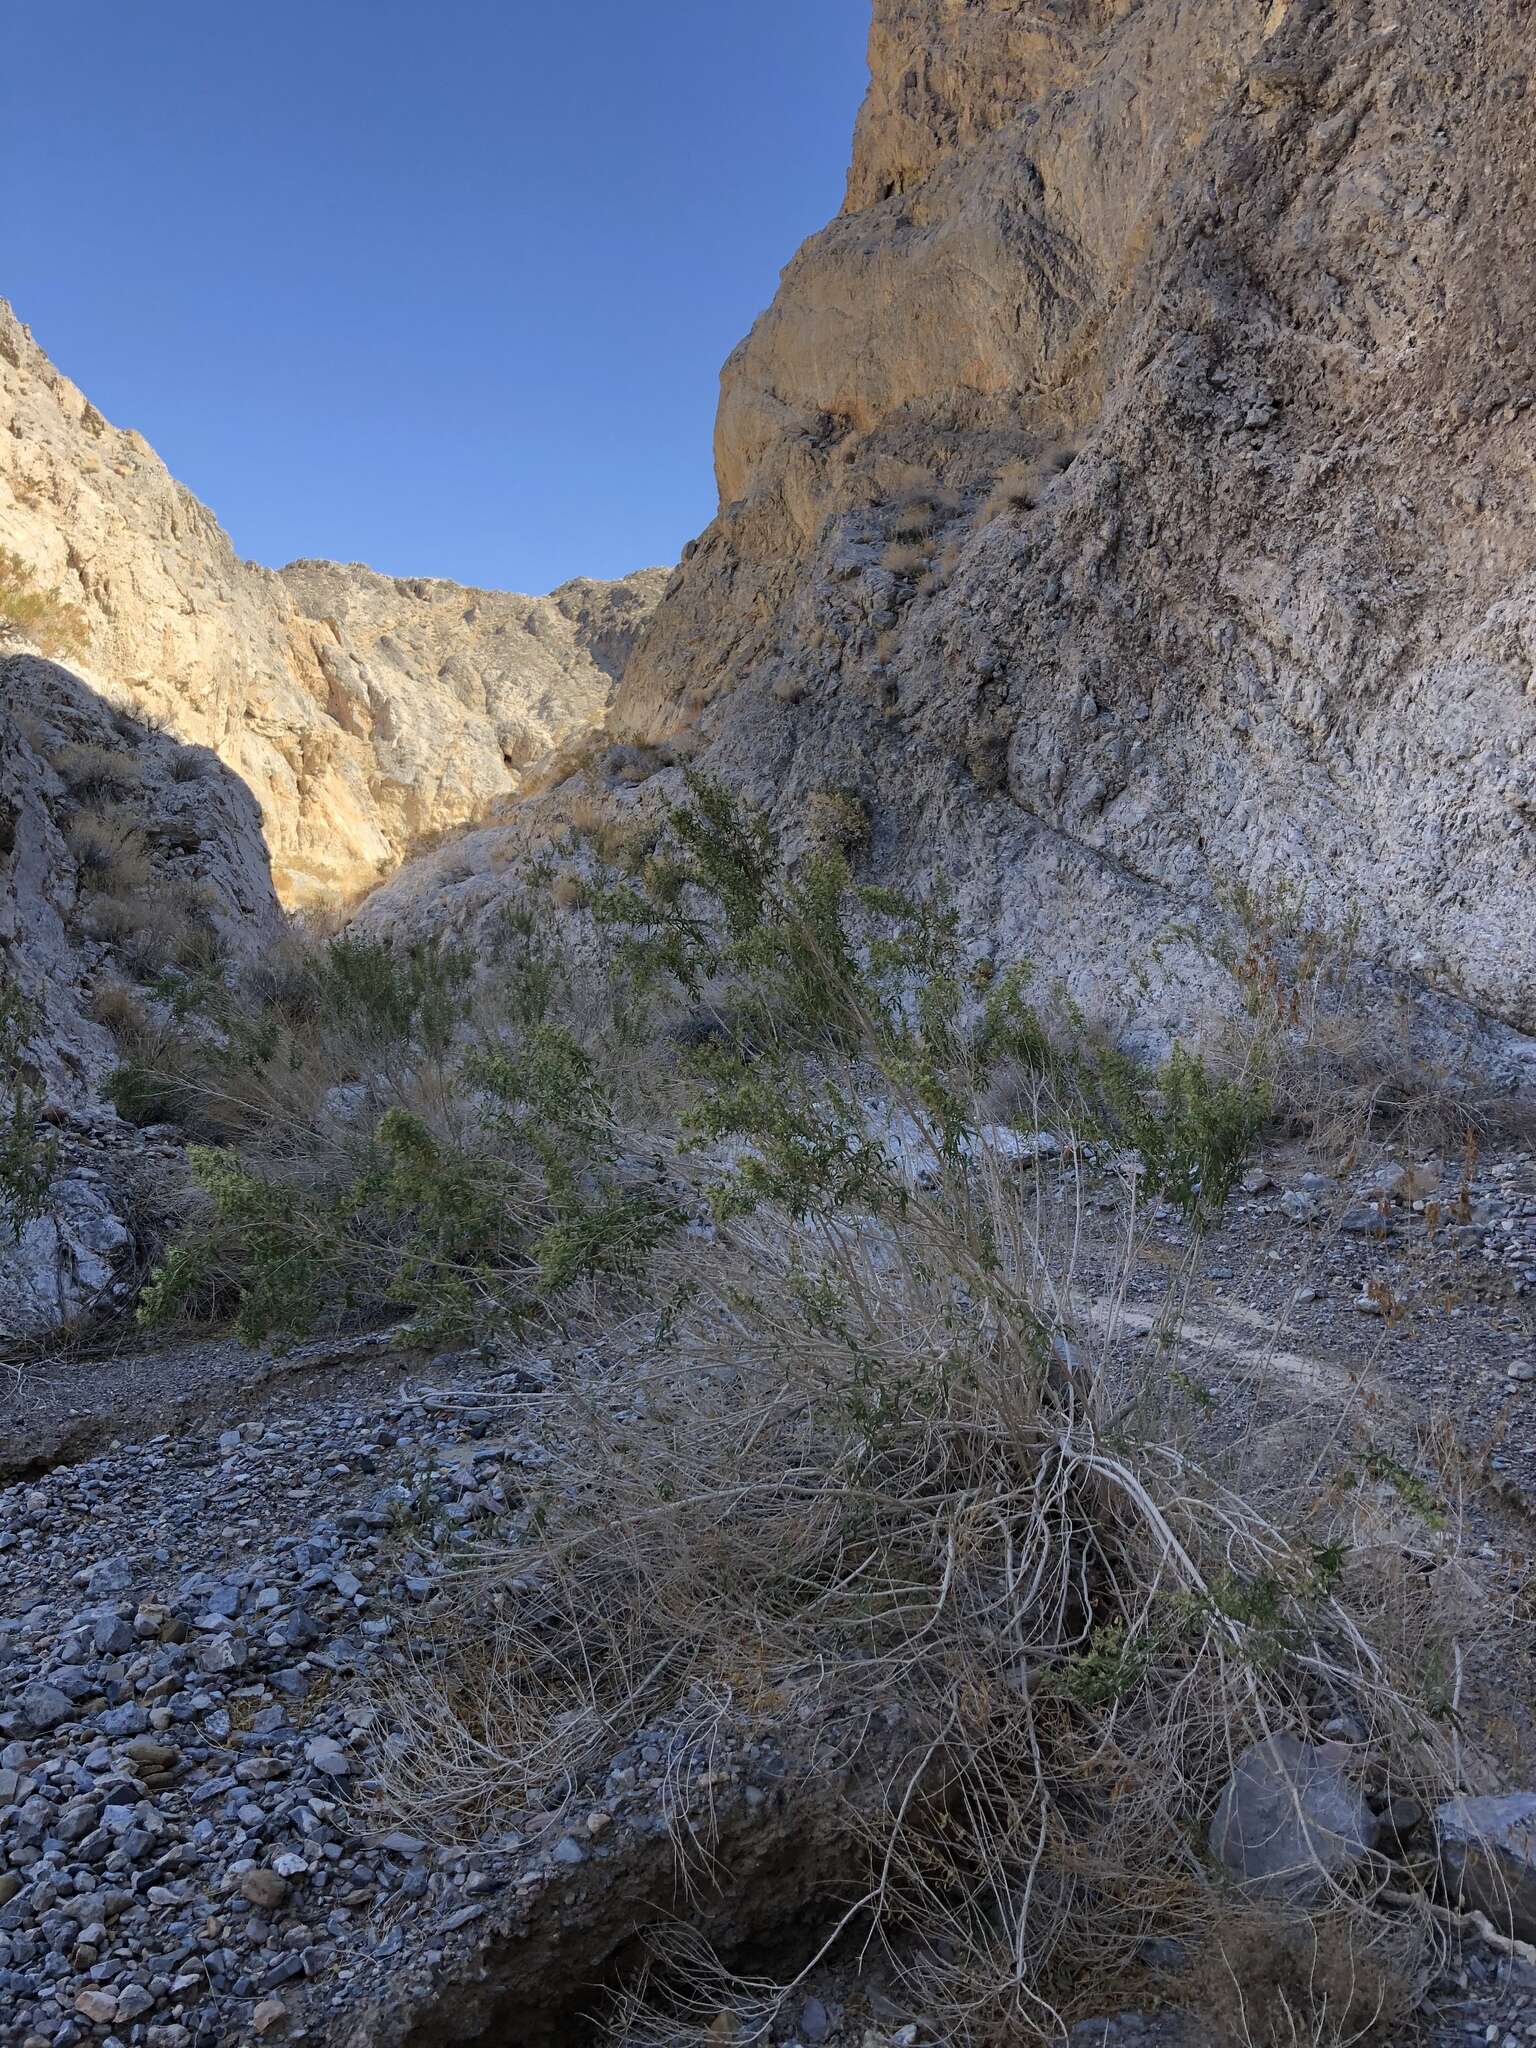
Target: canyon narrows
{"points": [[794, 1302]]}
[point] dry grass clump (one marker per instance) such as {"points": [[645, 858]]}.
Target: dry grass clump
{"points": [[192, 764], [917, 504], [578, 756], [908, 560], [634, 764], [1347, 1054], [118, 1009], [32, 611], [614, 833], [111, 853], [878, 1479], [88, 770], [153, 930], [1020, 486]]}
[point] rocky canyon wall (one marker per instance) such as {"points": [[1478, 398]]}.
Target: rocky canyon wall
{"points": [[1128, 494], [362, 711]]}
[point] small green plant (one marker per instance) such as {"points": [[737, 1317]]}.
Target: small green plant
{"points": [[1194, 1130], [37, 612], [837, 821]]}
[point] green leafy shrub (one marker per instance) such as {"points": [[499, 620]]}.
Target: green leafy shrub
{"points": [[467, 1230], [1194, 1130], [474, 1176]]}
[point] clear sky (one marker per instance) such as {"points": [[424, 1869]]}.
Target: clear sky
{"points": [[443, 287]]}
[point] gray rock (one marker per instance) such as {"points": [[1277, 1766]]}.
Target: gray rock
{"points": [[133, 2002], [45, 1706], [77, 1820], [327, 1755], [1289, 1820], [1366, 1223], [111, 1575], [1488, 1853], [263, 1888], [815, 2022], [120, 1721], [220, 1654]]}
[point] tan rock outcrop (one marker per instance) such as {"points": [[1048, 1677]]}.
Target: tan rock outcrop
{"points": [[362, 711], [1129, 492]]}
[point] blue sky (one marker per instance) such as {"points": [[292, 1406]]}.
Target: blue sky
{"points": [[444, 287]]}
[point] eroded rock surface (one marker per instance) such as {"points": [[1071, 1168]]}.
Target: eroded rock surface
{"points": [[362, 711], [1127, 492], [124, 854]]}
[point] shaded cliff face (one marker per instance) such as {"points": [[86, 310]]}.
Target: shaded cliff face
{"points": [[1128, 491], [361, 710]]}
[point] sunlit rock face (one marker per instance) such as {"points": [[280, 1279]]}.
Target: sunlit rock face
{"points": [[1129, 492], [362, 711]]}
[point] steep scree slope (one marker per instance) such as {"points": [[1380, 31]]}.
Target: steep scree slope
{"points": [[1129, 493]]}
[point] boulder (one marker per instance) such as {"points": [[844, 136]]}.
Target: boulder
{"points": [[1488, 1856], [1290, 1821]]}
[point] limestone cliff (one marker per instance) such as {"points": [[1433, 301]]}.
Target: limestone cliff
{"points": [[123, 854], [1129, 492], [361, 711]]}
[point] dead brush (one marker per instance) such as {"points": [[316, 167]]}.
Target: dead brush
{"points": [[111, 853], [90, 770], [1344, 1057], [878, 1474], [1020, 486]]}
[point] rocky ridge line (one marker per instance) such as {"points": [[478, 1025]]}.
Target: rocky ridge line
{"points": [[362, 711]]}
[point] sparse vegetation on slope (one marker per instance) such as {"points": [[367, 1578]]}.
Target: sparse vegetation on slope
{"points": [[28, 1159], [32, 611], [877, 1474]]}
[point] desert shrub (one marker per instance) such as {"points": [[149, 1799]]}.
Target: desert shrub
{"points": [[191, 764], [1343, 1048], [35, 612], [838, 821], [469, 1230], [872, 1481], [29, 1159], [89, 770], [111, 853], [906, 559], [812, 968], [1194, 1130], [396, 1138]]}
